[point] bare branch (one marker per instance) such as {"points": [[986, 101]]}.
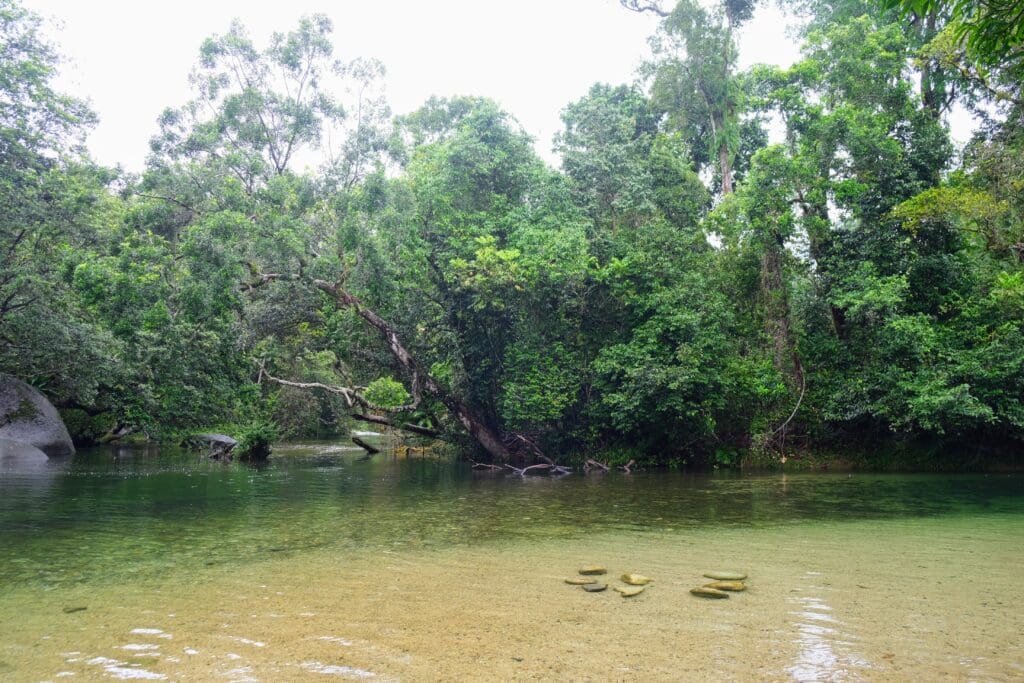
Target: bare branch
{"points": [[351, 397], [639, 6]]}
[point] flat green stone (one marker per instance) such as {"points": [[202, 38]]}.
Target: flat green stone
{"points": [[580, 581], [705, 592], [594, 587], [726, 576], [629, 591], [592, 569], [727, 585]]}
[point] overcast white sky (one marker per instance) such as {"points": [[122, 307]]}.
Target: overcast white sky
{"points": [[131, 58]]}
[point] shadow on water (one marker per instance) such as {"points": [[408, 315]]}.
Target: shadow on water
{"points": [[110, 513]]}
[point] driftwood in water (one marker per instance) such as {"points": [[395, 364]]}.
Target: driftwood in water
{"points": [[540, 468], [370, 450], [593, 464], [486, 466], [627, 468]]}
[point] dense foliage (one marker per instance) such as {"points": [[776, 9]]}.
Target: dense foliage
{"points": [[776, 259]]}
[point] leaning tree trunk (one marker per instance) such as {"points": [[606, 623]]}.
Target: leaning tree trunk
{"points": [[488, 439]]}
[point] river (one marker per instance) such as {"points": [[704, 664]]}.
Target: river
{"points": [[134, 564]]}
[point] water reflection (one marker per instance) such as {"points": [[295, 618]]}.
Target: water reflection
{"points": [[823, 647]]}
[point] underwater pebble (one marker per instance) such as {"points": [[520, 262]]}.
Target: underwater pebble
{"points": [[725, 575], [635, 579]]}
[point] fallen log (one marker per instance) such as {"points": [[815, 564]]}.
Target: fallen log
{"points": [[370, 450], [593, 464], [485, 466]]}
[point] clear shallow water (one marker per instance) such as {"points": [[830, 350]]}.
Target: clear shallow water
{"points": [[108, 514], [846, 569]]}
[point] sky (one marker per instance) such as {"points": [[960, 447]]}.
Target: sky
{"points": [[131, 58]]}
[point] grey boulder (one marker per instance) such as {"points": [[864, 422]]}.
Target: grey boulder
{"points": [[18, 456], [26, 416]]}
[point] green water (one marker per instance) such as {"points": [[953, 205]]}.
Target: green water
{"points": [[108, 516], [121, 564]]}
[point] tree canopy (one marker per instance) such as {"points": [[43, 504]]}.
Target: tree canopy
{"points": [[764, 261]]}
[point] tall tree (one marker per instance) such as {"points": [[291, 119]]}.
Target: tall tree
{"points": [[694, 78], [54, 200]]}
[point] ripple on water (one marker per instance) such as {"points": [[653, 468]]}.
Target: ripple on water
{"points": [[125, 671], [240, 675], [336, 639], [247, 641], [338, 670], [150, 632], [821, 642]]}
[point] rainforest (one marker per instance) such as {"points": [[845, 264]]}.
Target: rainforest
{"points": [[730, 266]]}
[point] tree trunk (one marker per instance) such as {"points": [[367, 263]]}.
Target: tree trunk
{"points": [[724, 160], [933, 87], [725, 167], [776, 307], [488, 439]]}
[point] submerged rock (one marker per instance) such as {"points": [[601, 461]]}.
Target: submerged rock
{"points": [[635, 579], [18, 456], [594, 587], [629, 591], [580, 581], [592, 569], [726, 576], [705, 592], [26, 416], [727, 585]]}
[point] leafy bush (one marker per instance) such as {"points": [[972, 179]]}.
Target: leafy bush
{"points": [[386, 392], [254, 441]]}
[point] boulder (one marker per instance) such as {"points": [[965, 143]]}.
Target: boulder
{"points": [[26, 416], [18, 456], [217, 445]]}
